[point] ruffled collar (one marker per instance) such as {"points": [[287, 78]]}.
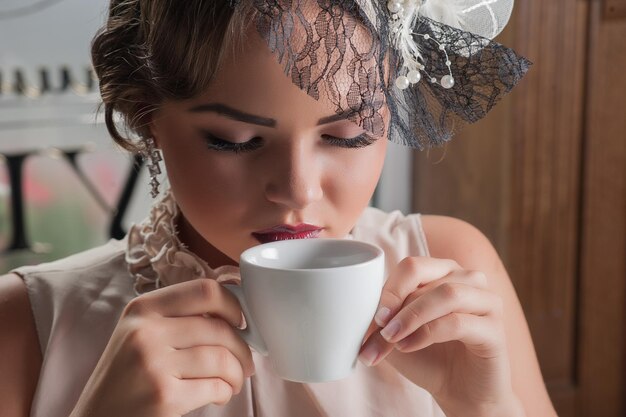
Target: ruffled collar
{"points": [[156, 257]]}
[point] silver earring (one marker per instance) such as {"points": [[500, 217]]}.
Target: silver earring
{"points": [[152, 153]]}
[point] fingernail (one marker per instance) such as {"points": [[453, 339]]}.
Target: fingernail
{"points": [[390, 330], [382, 316], [402, 344], [369, 355], [243, 322]]}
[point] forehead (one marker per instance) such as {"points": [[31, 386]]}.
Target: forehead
{"points": [[314, 71]]}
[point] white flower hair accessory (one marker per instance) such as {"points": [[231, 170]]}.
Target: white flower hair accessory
{"points": [[485, 18]]}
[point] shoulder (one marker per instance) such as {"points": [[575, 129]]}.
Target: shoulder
{"points": [[15, 311], [14, 305], [375, 220], [111, 251], [453, 238], [95, 281], [446, 237], [20, 355], [399, 235]]}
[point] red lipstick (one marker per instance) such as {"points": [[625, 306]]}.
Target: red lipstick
{"points": [[286, 231]]}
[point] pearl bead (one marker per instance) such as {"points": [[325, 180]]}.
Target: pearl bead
{"points": [[433, 80], [427, 36], [448, 63], [402, 82], [414, 76], [394, 7], [447, 81], [442, 47]]}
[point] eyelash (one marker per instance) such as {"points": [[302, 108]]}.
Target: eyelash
{"points": [[222, 145]]}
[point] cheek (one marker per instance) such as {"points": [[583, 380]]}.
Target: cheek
{"points": [[211, 190], [354, 179], [366, 166]]}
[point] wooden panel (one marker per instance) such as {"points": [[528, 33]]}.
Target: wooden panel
{"points": [[603, 287], [564, 397], [615, 9], [516, 176], [546, 165], [467, 179]]}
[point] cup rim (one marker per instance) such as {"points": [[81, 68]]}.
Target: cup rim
{"points": [[379, 253]]}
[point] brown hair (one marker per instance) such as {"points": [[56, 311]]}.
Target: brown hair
{"points": [[152, 50]]}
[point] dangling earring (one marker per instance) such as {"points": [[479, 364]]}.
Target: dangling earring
{"points": [[152, 153]]}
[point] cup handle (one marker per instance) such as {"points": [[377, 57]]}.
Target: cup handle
{"points": [[251, 333]]}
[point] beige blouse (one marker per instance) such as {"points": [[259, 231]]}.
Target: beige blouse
{"points": [[77, 301]]}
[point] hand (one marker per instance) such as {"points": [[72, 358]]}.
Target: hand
{"points": [[169, 355], [447, 329]]}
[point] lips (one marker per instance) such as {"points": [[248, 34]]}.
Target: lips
{"points": [[285, 232]]}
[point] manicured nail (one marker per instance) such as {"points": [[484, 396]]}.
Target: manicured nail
{"points": [[243, 322], [369, 355], [382, 316], [402, 344], [390, 330]]}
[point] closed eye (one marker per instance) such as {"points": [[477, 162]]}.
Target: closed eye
{"points": [[218, 144], [360, 141]]}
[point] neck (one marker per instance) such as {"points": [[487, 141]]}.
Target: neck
{"points": [[190, 237]]}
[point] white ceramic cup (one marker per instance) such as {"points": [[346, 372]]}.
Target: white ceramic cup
{"points": [[308, 304]]}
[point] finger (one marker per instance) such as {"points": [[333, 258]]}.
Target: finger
{"points": [[398, 287], [450, 296], [442, 300], [189, 332], [474, 278], [479, 334], [408, 275], [200, 392], [370, 331], [207, 362], [374, 350], [194, 297]]}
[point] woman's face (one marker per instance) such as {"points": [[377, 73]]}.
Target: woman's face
{"points": [[291, 173]]}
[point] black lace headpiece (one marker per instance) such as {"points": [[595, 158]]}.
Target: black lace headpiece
{"points": [[431, 61]]}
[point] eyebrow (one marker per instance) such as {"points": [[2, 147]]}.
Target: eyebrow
{"points": [[231, 113]]}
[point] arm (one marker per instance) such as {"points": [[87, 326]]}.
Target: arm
{"points": [[20, 355], [451, 323], [451, 238]]}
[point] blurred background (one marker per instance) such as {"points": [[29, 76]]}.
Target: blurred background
{"points": [[543, 176]]}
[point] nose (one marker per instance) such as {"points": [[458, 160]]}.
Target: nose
{"points": [[295, 181]]}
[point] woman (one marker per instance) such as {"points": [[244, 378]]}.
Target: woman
{"points": [[143, 327]]}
